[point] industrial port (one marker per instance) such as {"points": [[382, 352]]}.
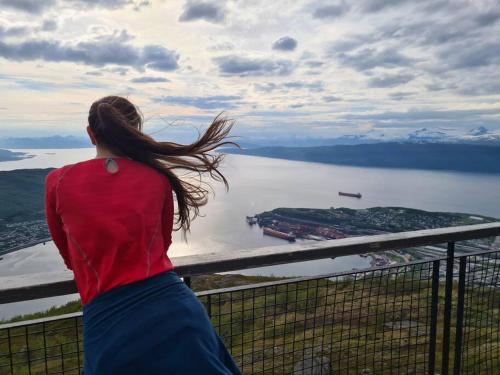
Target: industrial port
{"points": [[292, 224]]}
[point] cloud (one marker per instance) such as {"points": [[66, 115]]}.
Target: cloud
{"points": [[398, 53], [390, 80], [331, 11], [372, 6], [149, 80], [117, 70], [400, 95], [273, 113], [113, 49], [201, 10], [40, 6], [266, 87], [246, 66], [201, 102], [13, 31], [222, 46], [427, 115], [48, 25], [109, 4], [370, 58], [472, 56], [159, 58], [29, 84], [22, 30], [95, 73], [425, 32], [350, 43], [285, 43], [29, 6], [331, 99], [315, 86], [491, 87], [440, 86], [488, 18], [314, 63], [141, 4]]}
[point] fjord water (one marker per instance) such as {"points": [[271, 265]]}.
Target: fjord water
{"points": [[258, 184]]}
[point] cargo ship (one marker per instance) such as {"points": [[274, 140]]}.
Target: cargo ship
{"points": [[276, 233], [353, 195]]}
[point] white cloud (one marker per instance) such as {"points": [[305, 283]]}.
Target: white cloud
{"points": [[336, 64]]}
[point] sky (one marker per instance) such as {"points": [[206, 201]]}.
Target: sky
{"points": [[314, 69]]}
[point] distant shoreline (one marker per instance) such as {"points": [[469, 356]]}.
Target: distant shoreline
{"points": [[24, 246], [417, 156], [7, 155]]}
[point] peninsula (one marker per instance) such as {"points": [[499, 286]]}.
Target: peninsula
{"points": [[7, 155], [333, 223], [22, 212]]}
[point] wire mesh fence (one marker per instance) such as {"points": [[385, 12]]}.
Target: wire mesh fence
{"points": [[48, 346], [351, 323], [379, 321], [479, 341]]}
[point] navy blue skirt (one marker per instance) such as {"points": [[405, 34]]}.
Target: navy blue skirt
{"points": [[153, 326]]}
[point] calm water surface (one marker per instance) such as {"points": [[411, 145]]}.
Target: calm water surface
{"points": [[259, 184]]}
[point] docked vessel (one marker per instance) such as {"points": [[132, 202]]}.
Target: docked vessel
{"points": [[353, 195], [252, 220], [276, 233]]}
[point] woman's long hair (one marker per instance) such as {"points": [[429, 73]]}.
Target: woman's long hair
{"points": [[117, 125]]}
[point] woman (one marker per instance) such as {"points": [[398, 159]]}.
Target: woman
{"points": [[111, 217]]}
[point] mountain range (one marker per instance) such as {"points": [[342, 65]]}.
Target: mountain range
{"points": [[477, 135], [430, 156]]}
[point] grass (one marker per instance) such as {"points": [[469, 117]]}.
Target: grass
{"points": [[370, 323]]}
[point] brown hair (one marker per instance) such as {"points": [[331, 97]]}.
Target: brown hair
{"points": [[117, 125]]}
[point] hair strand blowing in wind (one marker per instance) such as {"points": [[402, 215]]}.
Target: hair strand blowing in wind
{"points": [[117, 125]]}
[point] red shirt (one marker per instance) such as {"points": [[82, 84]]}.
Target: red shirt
{"points": [[110, 228]]}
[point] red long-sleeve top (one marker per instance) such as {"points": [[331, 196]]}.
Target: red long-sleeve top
{"points": [[111, 229]]}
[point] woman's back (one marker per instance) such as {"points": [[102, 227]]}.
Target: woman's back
{"points": [[111, 218], [111, 228]]}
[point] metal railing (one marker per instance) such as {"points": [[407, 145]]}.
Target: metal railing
{"points": [[439, 315]]}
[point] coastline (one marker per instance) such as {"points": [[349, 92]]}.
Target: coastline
{"points": [[24, 246], [8, 155]]}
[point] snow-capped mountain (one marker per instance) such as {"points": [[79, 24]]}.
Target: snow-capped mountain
{"points": [[427, 135], [480, 130], [480, 135]]}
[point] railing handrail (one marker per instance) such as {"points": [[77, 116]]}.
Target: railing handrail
{"points": [[31, 322], [17, 289]]}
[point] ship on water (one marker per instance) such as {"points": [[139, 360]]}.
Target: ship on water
{"points": [[276, 233], [353, 195], [252, 220]]}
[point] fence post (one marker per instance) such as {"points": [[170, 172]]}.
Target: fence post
{"points": [[209, 302], [434, 316], [450, 253], [460, 315]]}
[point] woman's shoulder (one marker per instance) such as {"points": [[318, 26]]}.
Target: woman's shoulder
{"points": [[54, 174], [141, 171]]}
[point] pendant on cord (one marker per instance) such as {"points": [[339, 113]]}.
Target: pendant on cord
{"points": [[111, 165]]}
